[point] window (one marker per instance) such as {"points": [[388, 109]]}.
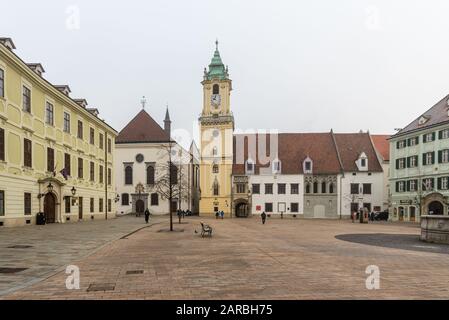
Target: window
{"points": [[268, 188], [125, 199], [412, 185], [367, 188], [323, 187], [241, 187], [2, 83], [331, 188], [256, 188], [268, 207], [109, 146], [427, 184], [354, 188], [294, 188], [109, 176], [80, 168], [216, 189], [428, 158], [67, 204], [215, 89], [26, 99], [109, 205], [92, 171], [215, 168], [49, 116], [443, 183], [400, 144], [400, 163], [363, 162], [276, 166], [308, 188], [150, 174], [2, 203], [27, 203], [315, 187], [2, 144], [66, 122], [429, 137], [92, 205], [100, 139], [174, 174], [412, 161], [101, 173], [400, 186], [154, 199], [214, 151], [249, 166], [443, 134], [27, 151], [281, 188], [100, 205], [80, 129], [50, 160], [443, 156], [67, 163], [294, 207], [92, 136], [413, 141], [128, 175], [308, 166]]}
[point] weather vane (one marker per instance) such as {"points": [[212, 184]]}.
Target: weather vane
{"points": [[143, 101]]}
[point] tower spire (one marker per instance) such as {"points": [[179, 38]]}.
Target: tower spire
{"points": [[167, 122], [216, 44]]}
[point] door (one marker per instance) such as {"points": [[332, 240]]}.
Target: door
{"points": [[412, 214], [401, 214], [140, 206], [174, 206], [80, 208], [50, 208]]}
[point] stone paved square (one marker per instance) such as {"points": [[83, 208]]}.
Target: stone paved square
{"points": [[283, 259]]}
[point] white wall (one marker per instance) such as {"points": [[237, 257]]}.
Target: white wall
{"points": [[275, 198]]}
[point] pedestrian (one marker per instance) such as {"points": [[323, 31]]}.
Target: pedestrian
{"points": [[147, 215], [372, 216], [217, 213], [222, 214], [264, 217], [353, 216]]}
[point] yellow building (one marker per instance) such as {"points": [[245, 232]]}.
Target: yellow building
{"points": [[56, 155], [216, 134]]}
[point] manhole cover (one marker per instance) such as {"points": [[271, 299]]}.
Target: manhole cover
{"points": [[20, 246], [101, 287], [134, 272], [12, 270]]}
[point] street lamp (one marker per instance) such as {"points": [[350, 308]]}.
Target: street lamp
{"points": [[73, 191], [117, 198]]}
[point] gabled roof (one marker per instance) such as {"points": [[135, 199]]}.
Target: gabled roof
{"points": [[292, 149], [142, 128], [438, 114], [351, 145], [382, 145]]}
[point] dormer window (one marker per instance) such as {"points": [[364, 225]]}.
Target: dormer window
{"points": [[422, 120], [249, 166], [276, 166], [307, 166], [362, 162]]}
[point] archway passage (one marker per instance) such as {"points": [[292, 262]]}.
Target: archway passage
{"points": [[50, 208], [436, 208], [140, 206], [241, 210]]}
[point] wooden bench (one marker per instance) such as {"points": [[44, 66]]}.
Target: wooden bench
{"points": [[206, 229]]}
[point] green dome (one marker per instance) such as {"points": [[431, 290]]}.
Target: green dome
{"points": [[217, 69]]}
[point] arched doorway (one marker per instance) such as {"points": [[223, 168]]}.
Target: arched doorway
{"points": [[140, 207], [241, 210], [50, 208], [435, 208]]}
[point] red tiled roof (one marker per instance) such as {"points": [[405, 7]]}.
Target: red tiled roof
{"points": [[143, 128], [382, 145], [292, 149], [351, 145]]}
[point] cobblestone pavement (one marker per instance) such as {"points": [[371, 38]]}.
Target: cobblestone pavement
{"points": [[42, 250], [284, 259]]}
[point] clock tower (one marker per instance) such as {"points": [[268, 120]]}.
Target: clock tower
{"points": [[216, 136]]}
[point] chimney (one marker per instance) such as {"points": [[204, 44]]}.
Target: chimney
{"points": [[167, 123], [81, 102], [64, 89], [7, 42], [36, 67]]}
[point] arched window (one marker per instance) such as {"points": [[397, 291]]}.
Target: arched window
{"points": [[308, 188], [125, 199], [174, 174], [216, 188], [315, 187], [331, 188], [323, 187], [129, 175], [154, 199], [216, 89], [150, 175], [215, 168]]}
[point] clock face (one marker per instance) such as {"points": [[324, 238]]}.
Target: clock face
{"points": [[215, 99]]}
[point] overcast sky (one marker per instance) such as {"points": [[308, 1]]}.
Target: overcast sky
{"points": [[296, 66]]}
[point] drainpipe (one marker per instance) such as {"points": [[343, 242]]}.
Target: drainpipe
{"points": [[106, 146]]}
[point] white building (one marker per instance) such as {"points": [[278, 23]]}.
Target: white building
{"points": [[142, 158]]}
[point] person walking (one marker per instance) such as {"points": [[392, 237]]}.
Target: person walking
{"points": [[222, 214], [147, 215], [217, 213], [264, 217]]}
